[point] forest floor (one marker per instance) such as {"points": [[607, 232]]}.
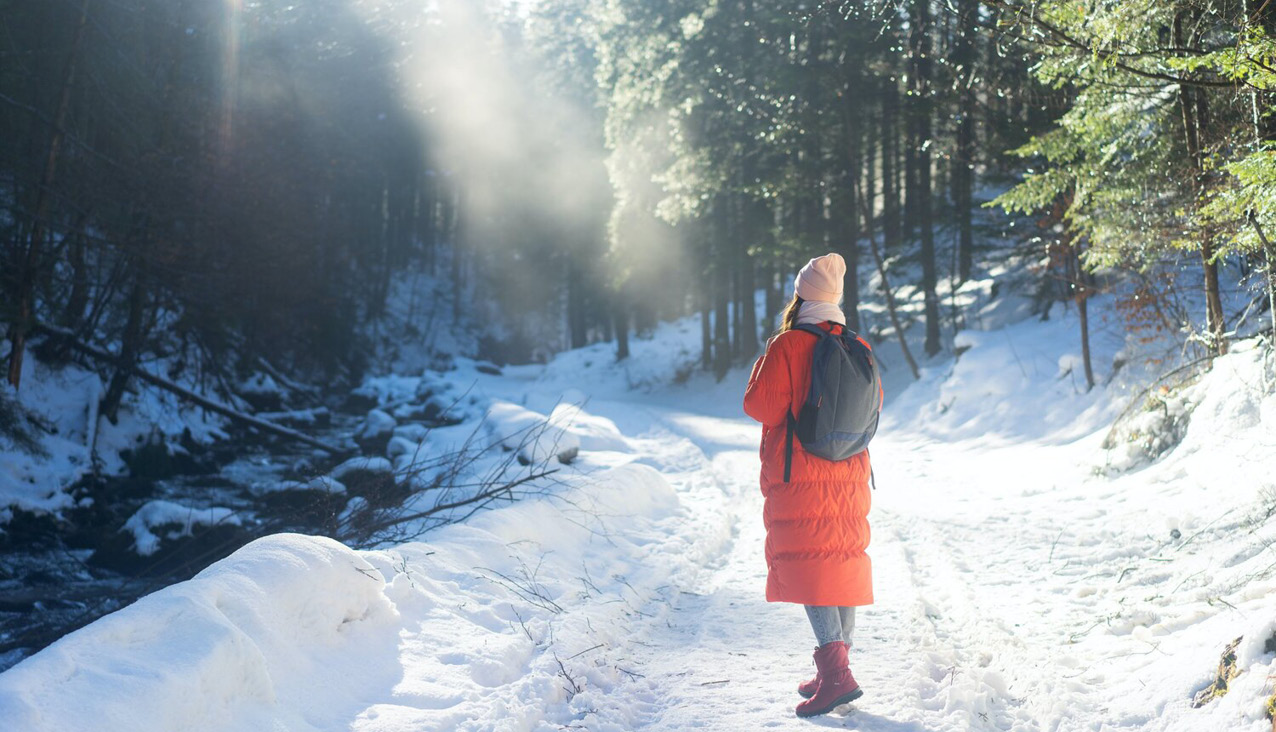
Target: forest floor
{"points": [[1026, 577]]}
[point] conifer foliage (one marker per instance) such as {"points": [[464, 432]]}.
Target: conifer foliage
{"points": [[222, 177]]}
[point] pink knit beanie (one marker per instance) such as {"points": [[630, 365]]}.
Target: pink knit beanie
{"points": [[821, 279]]}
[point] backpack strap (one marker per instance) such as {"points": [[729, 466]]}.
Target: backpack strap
{"points": [[814, 329], [789, 429], [872, 479]]}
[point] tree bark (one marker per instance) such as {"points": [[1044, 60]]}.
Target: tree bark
{"points": [[575, 303], [919, 79], [73, 313], [131, 347], [964, 160], [748, 279], [1194, 110], [621, 317], [890, 302], [848, 216], [890, 164], [722, 295], [43, 206]]}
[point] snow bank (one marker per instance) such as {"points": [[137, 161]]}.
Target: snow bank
{"points": [[183, 519], [225, 650], [1023, 381], [301, 633]]}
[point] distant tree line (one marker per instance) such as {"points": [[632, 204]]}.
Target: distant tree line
{"points": [[213, 182], [759, 134]]}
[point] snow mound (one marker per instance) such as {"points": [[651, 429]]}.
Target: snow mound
{"points": [[1023, 381], [534, 436], [221, 651], [157, 514], [591, 431]]}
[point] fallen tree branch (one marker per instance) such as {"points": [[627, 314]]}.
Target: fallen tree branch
{"points": [[504, 490], [188, 395], [886, 290]]}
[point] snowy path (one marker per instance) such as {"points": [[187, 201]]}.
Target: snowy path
{"points": [[983, 572], [729, 660], [1016, 591]]}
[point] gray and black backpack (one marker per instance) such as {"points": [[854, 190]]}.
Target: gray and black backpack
{"points": [[839, 416]]}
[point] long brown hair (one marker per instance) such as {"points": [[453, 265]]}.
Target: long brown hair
{"points": [[789, 320]]}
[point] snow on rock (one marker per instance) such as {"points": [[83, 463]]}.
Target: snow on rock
{"points": [[374, 432], [412, 432], [268, 638], [376, 424], [321, 483], [534, 436], [159, 514], [591, 431], [400, 446], [377, 465]]}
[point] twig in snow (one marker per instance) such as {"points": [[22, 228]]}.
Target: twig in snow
{"points": [[587, 650], [527, 586], [562, 670], [522, 625]]}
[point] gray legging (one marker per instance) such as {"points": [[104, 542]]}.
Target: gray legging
{"points": [[831, 623]]}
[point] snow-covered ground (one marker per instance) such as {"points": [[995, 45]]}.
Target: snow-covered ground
{"points": [[1026, 577]]}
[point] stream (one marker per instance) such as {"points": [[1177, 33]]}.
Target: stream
{"points": [[56, 576]]}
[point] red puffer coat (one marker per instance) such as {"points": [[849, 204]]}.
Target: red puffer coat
{"points": [[817, 523]]}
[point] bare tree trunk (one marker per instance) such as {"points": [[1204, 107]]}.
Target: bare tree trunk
{"points": [[131, 347], [459, 233], [964, 161], [43, 206], [890, 164], [1084, 316], [890, 301], [919, 79], [748, 280], [722, 296], [575, 303], [706, 332], [738, 244], [1078, 283], [1193, 106], [620, 310], [73, 314]]}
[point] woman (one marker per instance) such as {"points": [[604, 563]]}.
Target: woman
{"points": [[817, 520]]}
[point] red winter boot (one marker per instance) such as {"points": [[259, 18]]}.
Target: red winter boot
{"points": [[836, 685], [807, 689]]}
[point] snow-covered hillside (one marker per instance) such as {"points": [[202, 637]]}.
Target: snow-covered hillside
{"points": [[1027, 577]]}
